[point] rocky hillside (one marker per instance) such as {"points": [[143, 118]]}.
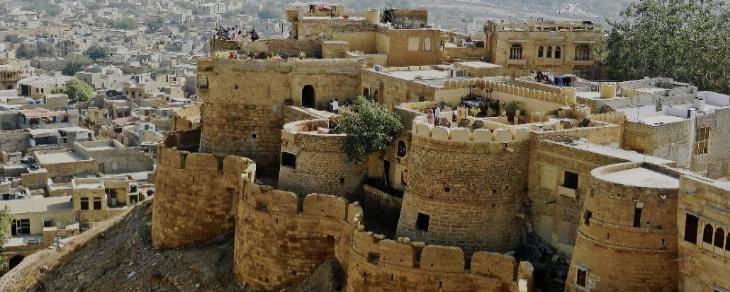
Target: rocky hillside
{"points": [[122, 259]]}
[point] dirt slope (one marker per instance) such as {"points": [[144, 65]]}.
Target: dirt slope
{"points": [[122, 259]]}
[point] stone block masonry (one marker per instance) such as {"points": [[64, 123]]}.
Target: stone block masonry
{"points": [[627, 239], [277, 243], [316, 163], [195, 195], [463, 190]]}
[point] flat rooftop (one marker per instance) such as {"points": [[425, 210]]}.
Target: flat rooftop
{"points": [[616, 152], [642, 177], [59, 157], [38, 204]]}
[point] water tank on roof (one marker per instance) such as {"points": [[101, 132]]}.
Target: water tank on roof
{"points": [[608, 90]]}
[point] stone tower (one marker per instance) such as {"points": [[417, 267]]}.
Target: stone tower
{"points": [[627, 238], [465, 188]]}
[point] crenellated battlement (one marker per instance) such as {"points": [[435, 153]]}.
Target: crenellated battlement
{"points": [[527, 89], [492, 132], [220, 164], [364, 254], [195, 195]]}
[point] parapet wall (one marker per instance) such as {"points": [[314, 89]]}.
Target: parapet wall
{"points": [[195, 195], [521, 88], [467, 185], [319, 163], [279, 241], [492, 132]]}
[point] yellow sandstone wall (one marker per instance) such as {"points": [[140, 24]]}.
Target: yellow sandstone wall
{"points": [[321, 166], [278, 243], [244, 101], [196, 193], [617, 255], [471, 185], [703, 265]]}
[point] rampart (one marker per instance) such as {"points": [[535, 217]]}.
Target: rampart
{"points": [[279, 240], [465, 188], [627, 239], [526, 89], [312, 161], [244, 101], [195, 195]]}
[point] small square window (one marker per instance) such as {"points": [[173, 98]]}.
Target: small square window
{"points": [[570, 180], [422, 221], [581, 277], [289, 160]]}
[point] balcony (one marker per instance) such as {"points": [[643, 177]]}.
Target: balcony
{"points": [[520, 62], [549, 62], [568, 192]]}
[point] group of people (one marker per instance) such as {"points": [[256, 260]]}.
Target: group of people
{"points": [[231, 32], [556, 80]]}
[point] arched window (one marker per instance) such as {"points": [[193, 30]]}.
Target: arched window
{"points": [[583, 52], [727, 242], [541, 52], [719, 237], [550, 52], [515, 52], [366, 92], [707, 234], [558, 53], [402, 150]]}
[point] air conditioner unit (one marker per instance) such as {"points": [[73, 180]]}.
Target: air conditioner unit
{"points": [[457, 73], [378, 68]]}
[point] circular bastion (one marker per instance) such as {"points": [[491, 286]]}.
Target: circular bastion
{"points": [[313, 162], [195, 195], [465, 187], [627, 237]]}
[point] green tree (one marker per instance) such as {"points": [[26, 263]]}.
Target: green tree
{"points": [[96, 52], [77, 90], [75, 63], [5, 221], [369, 128], [124, 22], [681, 39], [154, 24]]}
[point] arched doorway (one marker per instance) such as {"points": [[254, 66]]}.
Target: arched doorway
{"points": [[308, 96], [15, 260]]}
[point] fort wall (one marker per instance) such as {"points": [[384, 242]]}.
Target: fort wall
{"points": [[196, 193], [627, 238], [468, 186], [305, 234], [244, 101], [316, 162]]}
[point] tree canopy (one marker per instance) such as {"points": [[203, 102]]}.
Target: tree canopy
{"points": [[369, 128], [687, 40], [124, 22], [96, 52], [75, 63], [154, 24], [77, 90]]}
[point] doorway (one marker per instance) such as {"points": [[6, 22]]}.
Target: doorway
{"points": [[308, 96]]}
